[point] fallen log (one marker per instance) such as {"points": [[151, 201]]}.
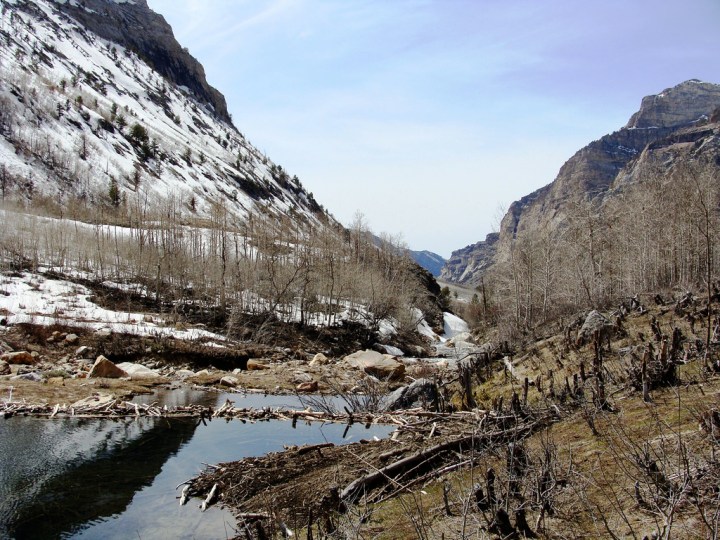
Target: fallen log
{"points": [[210, 498], [426, 457], [305, 449]]}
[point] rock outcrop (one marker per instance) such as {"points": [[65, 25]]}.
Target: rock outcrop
{"points": [[134, 25], [675, 115], [470, 261]]}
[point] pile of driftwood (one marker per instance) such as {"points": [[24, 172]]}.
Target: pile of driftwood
{"points": [[107, 406], [310, 485]]}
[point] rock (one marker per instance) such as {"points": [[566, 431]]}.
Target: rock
{"points": [[106, 369], [71, 339], [594, 322], [421, 393], [4, 368], [255, 365], [311, 386], [19, 357], [5, 348], [373, 363], [389, 349], [202, 372], [184, 373], [80, 351], [229, 381], [319, 360], [33, 376], [138, 371], [301, 377], [56, 381]]}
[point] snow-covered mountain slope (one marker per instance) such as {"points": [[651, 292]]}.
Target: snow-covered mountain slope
{"points": [[84, 117]]}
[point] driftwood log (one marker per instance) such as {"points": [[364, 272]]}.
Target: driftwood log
{"points": [[429, 457]]}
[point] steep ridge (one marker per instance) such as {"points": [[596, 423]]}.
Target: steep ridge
{"points": [[98, 101], [594, 172], [432, 262], [132, 24]]}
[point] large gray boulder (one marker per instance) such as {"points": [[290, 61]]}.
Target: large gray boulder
{"points": [[594, 322], [421, 393], [382, 366]]}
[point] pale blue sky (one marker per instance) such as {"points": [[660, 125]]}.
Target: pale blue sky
{"points": [[429, 115]]}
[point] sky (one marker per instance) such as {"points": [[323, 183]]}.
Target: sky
{"points": [[429, 117]]}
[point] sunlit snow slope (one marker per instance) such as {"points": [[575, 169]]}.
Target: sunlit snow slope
{"points": [[79, 113]]}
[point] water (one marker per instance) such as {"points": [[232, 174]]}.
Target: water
{"points": [[104, 478]]}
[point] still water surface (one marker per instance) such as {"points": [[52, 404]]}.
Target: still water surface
{"points": [[104, 478]]}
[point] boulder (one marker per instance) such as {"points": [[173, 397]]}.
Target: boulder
{"points": [[71, 339], [229, 381], [594, 322], [319, 360], [80, 351], [421, 393], [106, 369], [184, 373], [255, 365], [382, 366], [311, 386], [4, 368], [20, 357], [138, 371]]}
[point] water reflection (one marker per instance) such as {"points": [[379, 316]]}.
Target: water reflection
{"points": [[77, 478]]}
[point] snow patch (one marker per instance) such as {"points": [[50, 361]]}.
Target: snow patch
{"points": [[453, 325], [32, 298]]}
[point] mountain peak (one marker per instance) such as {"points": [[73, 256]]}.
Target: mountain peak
{"points": [[132, 24], [679, 106]]}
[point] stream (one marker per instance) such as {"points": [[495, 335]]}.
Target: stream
{"points": [[111, 478]]}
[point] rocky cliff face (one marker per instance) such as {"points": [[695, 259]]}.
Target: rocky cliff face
{"points": [[594, 171], [680, 106], [132, 24], [470, 261]]}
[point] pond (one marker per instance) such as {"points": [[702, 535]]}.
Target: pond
{"points": [[104, 478]]}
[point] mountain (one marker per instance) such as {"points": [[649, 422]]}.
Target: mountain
{"points": [[470, 261], [99, 103], [596, 172], [432, 262]]}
